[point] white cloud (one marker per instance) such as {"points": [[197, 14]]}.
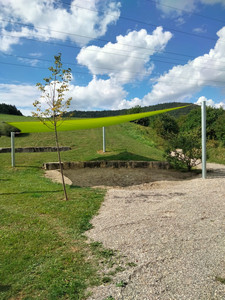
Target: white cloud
{"points": [[125, 62], [99, 93], [22, 96], [210, 102], [104, 94], [62, 23], [181, 82]]}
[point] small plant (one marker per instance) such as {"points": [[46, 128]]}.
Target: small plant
{"points": [[131, 264], [220, 279], [109, 298], [121, 284]]}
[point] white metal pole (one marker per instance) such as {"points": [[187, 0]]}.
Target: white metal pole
{"points": [[103, 135], [13, 148], [203, 139]]}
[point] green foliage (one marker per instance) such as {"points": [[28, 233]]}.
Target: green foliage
{"points": [[135, 110], [9, 109], [184, 150], [166, 126], [214, 128], [53, 91], [6, 129], [219, 128]]}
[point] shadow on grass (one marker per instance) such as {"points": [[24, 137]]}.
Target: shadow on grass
{"points": [[124, 156], [30, 192], [4, 288]]}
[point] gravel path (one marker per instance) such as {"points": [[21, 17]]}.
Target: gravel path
{"points": [[174, 231]]}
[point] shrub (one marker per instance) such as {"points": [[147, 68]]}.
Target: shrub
{"points": [[166, 126], [6, 129], [184, 150]]}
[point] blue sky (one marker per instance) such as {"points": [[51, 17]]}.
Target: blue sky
{"points": [[122, 53]]}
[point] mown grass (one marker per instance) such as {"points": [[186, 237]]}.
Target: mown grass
{"points": [[43, 250]]}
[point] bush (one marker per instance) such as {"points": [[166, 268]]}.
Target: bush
{"points": [[6, 129], [220, 128], [184, 150], [166, 126]]}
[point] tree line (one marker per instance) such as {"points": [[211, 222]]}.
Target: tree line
{"points": [[9, 109]]}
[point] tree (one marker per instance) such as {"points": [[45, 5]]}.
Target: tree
{"points": [[9, 109], [184, 150], [193, 121], [53, 91], [166, 126], [135, 110], [220, 128]]}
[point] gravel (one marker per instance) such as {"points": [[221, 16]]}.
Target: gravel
{"points": [[173, 232]]}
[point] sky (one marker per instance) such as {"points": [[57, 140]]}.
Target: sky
{"points": [[122, 53]]}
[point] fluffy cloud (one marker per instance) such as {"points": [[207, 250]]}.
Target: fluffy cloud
{"points": [[105, 94], [22, 96], [210, 102], [58, 22], [127, 58], [181, 82], [98, 93]]}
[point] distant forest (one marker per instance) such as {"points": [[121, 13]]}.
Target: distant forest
{"points": [[108, 113], [9, 109]]}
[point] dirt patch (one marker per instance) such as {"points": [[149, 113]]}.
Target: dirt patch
{"points": [[117, 177]]}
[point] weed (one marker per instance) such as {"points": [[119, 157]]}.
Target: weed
{"points": [[220, 279], [131, 264], [121, 284]]}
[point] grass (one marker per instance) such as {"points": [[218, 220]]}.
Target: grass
{"points": [[43, 250]]}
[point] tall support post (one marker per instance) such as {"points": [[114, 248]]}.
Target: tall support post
{"points": [[13, 148], [203, 139], [103, 136]]}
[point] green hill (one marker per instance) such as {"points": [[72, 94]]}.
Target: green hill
{"points": [[107, 113]]}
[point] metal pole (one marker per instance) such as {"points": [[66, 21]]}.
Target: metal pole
{"points": [[103, 135], [13, 148], [203, 139]]}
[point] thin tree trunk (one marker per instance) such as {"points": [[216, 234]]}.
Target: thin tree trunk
{"points": [[60, 163]]}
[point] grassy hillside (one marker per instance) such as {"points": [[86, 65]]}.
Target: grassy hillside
{"points": [[125, 141], [13, 118]]}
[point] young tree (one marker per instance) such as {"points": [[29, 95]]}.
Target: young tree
{"points": [[52, 100]]}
